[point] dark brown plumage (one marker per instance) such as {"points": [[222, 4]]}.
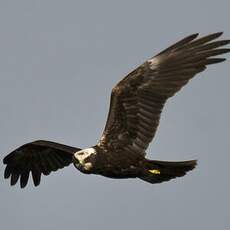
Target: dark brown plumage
{"points": [[137, 100], [135, 109], [39, 157]]}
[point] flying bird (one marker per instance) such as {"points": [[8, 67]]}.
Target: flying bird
{"points": [[135, 108]]}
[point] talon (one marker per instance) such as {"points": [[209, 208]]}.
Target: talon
{"points": [[155, 171]]}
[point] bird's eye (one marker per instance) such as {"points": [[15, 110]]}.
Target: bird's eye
{"points": [[81, 153]]}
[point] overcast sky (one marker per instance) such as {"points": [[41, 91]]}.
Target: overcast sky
{"points": [[58, 63]]}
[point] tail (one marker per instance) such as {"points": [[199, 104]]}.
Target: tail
{"points": [[160, 171]]}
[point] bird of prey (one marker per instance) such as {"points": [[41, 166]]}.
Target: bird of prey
{"points": [[135, 108]]}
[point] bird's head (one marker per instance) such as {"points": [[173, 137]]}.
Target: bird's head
{"points": [[84, 160]]}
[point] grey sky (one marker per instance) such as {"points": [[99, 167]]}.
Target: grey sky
{"points": [[58, 63]]}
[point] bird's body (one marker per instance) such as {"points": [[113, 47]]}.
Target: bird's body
{"points": [[135, 108], [96, 160]]}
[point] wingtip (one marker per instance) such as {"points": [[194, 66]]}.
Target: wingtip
{"points": [[7, 172], [216, 35], [36, 178], [23, 185], [195, 35], [5, 159], [14, 179], [219, 33], [191, 37], [215, 60]]}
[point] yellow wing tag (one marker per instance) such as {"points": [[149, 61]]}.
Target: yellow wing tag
{"points": [[155, 171]]}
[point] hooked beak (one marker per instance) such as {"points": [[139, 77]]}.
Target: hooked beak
{"points": [[76, 161]]}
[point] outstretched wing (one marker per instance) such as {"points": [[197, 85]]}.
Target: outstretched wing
{"points": [[137, 100], [38, 157]]}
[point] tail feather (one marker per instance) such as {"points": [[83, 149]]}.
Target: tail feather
{"points": [[160, 171]]}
